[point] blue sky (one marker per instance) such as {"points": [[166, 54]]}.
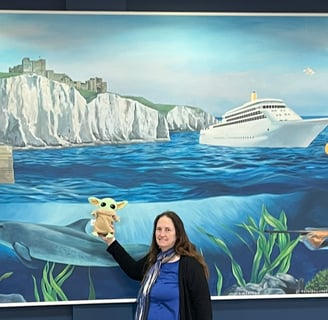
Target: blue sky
{"points": [[213, 62]]}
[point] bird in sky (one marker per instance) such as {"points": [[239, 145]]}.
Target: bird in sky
{"points": [[309, 71]]}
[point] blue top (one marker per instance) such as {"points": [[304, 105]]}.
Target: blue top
{"points": [[164, 295]]}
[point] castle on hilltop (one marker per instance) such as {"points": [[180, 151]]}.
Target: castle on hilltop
{"points": [[39, 67]]}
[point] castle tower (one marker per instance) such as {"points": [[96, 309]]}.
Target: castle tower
{"points": [[27, 65]]}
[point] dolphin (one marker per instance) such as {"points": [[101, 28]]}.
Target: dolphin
{"points": [[70, 244], [313, 238]]}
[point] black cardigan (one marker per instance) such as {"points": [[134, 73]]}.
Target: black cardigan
{"points": [[195, 300]]}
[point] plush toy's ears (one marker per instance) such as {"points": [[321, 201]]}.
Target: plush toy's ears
{"points": [[121, 204], [93, 200]]}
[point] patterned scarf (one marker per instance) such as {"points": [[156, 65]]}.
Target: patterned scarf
{"points": [[147, 283]]}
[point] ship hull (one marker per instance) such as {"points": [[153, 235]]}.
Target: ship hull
{"points": [[265, 133]]}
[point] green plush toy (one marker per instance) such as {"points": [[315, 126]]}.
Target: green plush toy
{"points": [[105, 215]]}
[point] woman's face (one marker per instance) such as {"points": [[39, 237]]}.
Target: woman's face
{"points": [[165, 233]]}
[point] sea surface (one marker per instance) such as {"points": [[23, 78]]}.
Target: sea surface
{"points": [[180, 169]]}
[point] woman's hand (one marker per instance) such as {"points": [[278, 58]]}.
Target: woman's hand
{"points": [[109, 241]]}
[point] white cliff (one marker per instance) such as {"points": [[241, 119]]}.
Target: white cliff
{"points": [[182, 118], [116, 119], [38, 112]]}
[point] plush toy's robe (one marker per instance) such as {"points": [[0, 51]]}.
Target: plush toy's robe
{"points": [[104, 223]]}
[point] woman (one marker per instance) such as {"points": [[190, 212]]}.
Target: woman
{"points": [[174, 275]]}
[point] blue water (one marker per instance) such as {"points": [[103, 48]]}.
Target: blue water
{"points": [[164, 171], [213, 187]]}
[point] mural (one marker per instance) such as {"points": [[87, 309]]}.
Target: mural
{"points": [[221, 118]]}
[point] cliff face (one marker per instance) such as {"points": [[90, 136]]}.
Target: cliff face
{"points": [[183, 118], [38, 112]]}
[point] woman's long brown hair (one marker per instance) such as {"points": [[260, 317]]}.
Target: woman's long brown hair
{"points": [[182, 247]]}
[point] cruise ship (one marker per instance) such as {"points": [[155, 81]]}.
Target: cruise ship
{"points": [[263, 123]]}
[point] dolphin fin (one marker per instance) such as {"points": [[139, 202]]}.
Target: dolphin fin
{"points": [[23, 253], [79, 225]]}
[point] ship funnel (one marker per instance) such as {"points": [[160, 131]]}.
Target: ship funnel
{"points": [[253, 96]]}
